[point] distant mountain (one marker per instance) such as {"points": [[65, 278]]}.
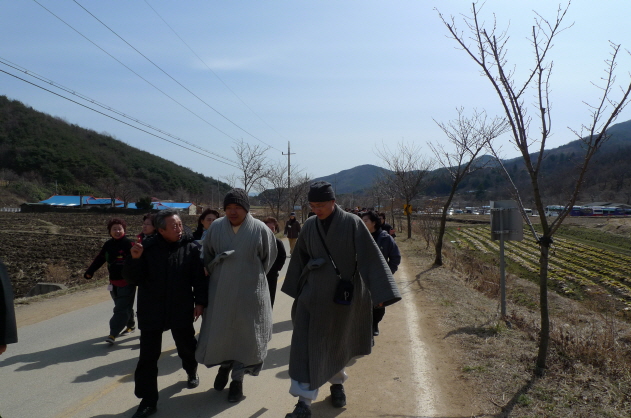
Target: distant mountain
{"points": [[354, 180], [608, 178], [41, 155]]}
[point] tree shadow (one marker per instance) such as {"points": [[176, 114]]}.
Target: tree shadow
{"points": [[508, 408], [483, 331], [407, 285], [70, 353]]}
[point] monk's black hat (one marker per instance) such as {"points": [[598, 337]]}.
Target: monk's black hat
{"points": [[238, 196], [321, 191]]}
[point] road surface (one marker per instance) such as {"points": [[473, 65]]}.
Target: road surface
{"points": [[62, 367]]}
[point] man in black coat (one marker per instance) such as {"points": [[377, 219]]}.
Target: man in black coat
{"points": [[172, 294], [8, 327]]}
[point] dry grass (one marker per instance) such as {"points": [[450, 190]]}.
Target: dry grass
{"points": [[589, 361]]}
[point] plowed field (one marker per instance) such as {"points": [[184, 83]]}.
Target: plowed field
{"points": [[56, 247]]}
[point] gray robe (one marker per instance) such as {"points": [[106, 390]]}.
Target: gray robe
{"points": [[237, 324], [328, 335]]}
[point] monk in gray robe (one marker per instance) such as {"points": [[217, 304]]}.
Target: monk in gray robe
{"points": [[239, 250], [337, 274]]}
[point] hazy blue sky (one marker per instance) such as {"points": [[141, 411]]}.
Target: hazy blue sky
{"points": [[336, 78]]}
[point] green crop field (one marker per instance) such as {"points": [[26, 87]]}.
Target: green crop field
{"points": [[576, 268]]}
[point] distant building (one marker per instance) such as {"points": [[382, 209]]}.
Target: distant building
{"points": [[76, 201], [187, 207], [92, 202]]}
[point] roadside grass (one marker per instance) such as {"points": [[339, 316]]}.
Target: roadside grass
{"points": [[589, 360]]}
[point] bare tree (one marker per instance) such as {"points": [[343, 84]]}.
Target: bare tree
{"points": [[232, 180], [111, 186], [488, 48], [127, 192], [468, 136], [299, 191], [408, 169], [252, 163], [273, 188]]}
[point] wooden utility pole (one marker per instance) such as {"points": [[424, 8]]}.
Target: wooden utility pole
{"points": [[289, 209]]}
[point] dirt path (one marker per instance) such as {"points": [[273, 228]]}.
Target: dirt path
{"points": [[32, 313], [414, 367]]}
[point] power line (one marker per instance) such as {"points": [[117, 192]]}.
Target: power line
{"points": [[169, 75], [215, 74], [135, 73], [111, 109], [116, 119]]}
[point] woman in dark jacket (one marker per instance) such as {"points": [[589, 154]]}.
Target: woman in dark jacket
{"points": [[148, 228], [292, 229], [272, 275], [114, 252], [390, 252], [204, 221]]}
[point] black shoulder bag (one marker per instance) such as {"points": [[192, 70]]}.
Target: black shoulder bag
{"points": [[344, 290]]}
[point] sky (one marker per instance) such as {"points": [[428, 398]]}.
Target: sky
{"points": [[335, 79]]}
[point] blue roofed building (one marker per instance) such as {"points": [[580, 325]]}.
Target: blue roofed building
{"points": [[91, 201], [76, 201], [185, 207]]}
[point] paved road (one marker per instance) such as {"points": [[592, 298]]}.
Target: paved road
{"points": [[62, 368]]}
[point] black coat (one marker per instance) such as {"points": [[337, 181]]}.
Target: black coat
{"points": [[281, 257], [171, 281], [114, 253], [8, 327]]}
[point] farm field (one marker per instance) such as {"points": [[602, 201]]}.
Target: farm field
{"points": [[577, 269], [56, 247]]}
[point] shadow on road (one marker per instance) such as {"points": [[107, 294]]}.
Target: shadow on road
{"points": [[277, 357], [282, 326], [79, 351]]}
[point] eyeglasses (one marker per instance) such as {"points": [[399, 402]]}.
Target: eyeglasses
{"points": [[318, 205]]}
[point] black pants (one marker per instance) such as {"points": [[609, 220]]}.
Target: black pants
{"points": [[146, 375], [272, 280], [377, 315]]}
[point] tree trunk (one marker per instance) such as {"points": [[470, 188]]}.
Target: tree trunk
{"points": [[544, 336], [438, 260], [409, 216]]}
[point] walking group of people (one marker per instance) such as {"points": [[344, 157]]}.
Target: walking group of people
{"points": [[226, 273]]}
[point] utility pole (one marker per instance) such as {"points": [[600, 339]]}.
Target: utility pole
{"points": [[289, 209]]}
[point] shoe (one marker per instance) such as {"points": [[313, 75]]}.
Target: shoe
{"points": [[146, 411], [302, 410], [338, 397], [236, 391], [127, 331], [375, 330], [192, 381], [110, 339], [222, 378]]}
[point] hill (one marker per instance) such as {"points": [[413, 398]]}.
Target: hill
{"points": [[354, 180], [608, 179], [41, 155]]}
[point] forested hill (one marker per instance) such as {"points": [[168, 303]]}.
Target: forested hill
{"points": [[354, 180], [608, 178], [38, 150]]}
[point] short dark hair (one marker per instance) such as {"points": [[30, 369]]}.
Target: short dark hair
{"points": [[382, 215], [270, 219], [205, 213], [374, 217], [160, 218], [148, 216], [116, 221]]}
